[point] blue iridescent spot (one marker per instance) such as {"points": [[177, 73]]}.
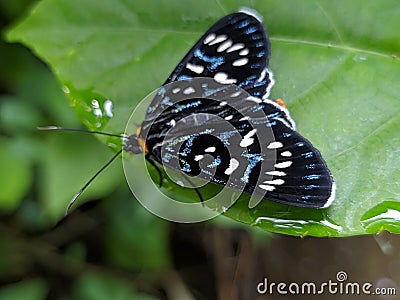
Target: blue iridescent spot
{"points": [[166, 157], [248, 80], [188, 146], [220, 181], [260, 54], [215, 61], [225, 136], [311, 187], [260, 44], [256, 108], [274, 115], [161, 91], [312, 177], [166, 101], [215, 163], [243, 24], [253, 159], [286, 134], [311, 166], [250, 30], [261, 83], [256, 37], [255, 66], [299, 144], [183, 77], [307, 154], [180, 107], [186, 168], [170, 149]]}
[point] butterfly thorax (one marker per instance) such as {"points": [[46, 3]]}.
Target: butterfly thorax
{"points": [[135, 144]]}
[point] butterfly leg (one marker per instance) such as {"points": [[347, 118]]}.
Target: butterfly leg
{"points": [[195, 188], [151, 162]]}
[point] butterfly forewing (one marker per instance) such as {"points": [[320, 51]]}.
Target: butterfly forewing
{"points": [[234, 50]]}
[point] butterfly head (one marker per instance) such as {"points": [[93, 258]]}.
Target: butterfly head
{"points": [[136, 144]]}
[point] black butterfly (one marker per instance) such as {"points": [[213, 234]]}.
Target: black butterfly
{"points": [[279, 165]]}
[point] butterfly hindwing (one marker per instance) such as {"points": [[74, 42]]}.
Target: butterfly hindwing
{"points": [[264, 157]]}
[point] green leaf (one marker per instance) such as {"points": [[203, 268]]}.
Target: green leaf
{"points": [[335, 63], [69, 162], [34, 289]]}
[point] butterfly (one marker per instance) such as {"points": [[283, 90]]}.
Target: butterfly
{"points": [[266, 157]]}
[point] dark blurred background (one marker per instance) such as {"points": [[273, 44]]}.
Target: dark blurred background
{"points": [[111, 247]]}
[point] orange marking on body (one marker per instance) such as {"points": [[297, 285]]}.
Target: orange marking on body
{"points": [[141, 141], [281, 102]]}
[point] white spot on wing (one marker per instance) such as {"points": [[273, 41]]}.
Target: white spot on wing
{"points": [[210, 149], [247, 139], [262, 76], [284, 164], [172, 123], [240, 62], [198, 157], [235, 47], [233, 165], [276, 173], [271, 83], [218, 39], [267, 187], [225, 45], [223, 103], [254, 99], [244, 52], [176, 90], [275, 145], [189, 90], [228, 117], [222, 77], [209, 38], [234, 95], [195, 68], [275, 181], [286, 153]]}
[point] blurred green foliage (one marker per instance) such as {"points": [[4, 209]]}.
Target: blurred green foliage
{"points": [[41, 171]]}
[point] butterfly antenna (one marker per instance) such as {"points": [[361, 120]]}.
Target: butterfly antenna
{"points": [[90, 181], [81, 130]]}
